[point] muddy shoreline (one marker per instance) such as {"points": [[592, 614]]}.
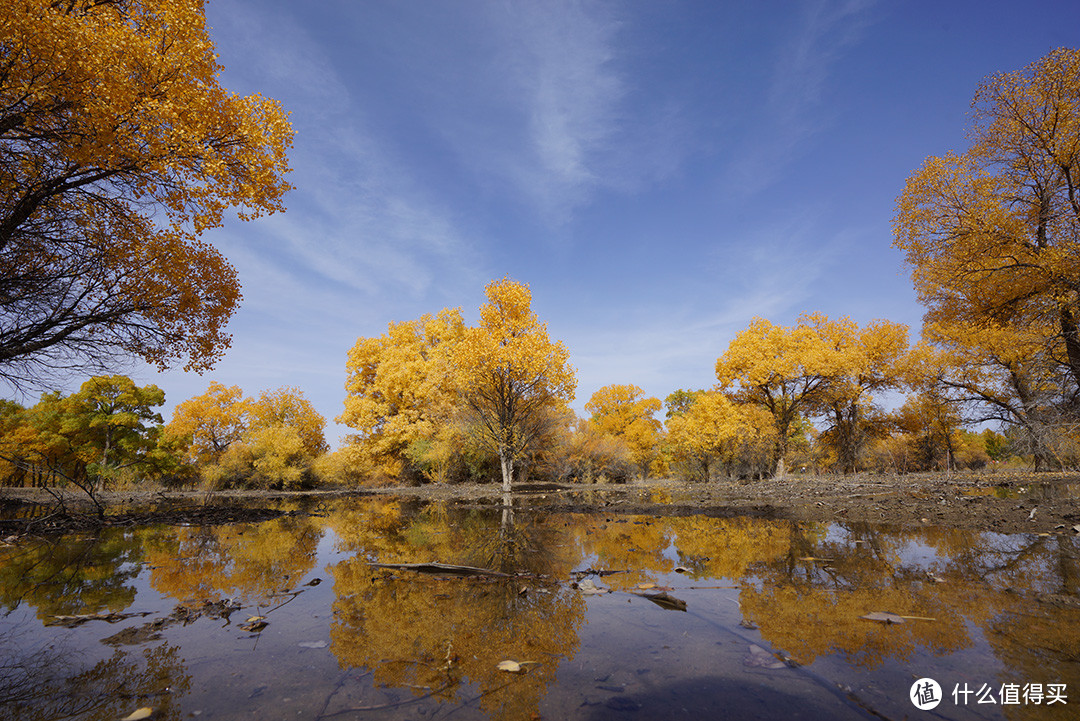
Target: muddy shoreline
{"points": [[1005, 502]]}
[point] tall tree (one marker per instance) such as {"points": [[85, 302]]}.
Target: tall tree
{"points": [[788, 371], [713, 428], [510, 374], [992, 234], [623, 411], [112, 423], [395, 392], [118, 148], [877, 353], [205, 426]]}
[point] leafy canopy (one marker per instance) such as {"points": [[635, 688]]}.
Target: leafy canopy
{"points": [[118, 148]]}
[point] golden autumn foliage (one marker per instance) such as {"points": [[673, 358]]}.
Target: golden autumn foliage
{"points": [[105, 433], [623, 411], [431, 396], [509, 374], [716, 430], [991, 234], [269, 441], [816, 367], [118, 148], [396, 392]]}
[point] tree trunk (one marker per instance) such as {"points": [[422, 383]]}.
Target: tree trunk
{"points": [[507, 464], [1070, 333]]}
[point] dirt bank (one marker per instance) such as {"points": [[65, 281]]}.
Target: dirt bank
{"points": [[1008, 502]]}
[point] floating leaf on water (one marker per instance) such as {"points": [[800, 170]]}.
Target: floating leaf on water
{"points": [[815, 558], [646, 586], [254, 626], [760, 658], [682, 569], [883, 617], [314, 582], [143, 713], [253, 619], [665, 601], [312, 644], [589, 588], [510, 666]]}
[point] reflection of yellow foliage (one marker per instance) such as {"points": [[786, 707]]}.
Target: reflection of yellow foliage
{"points": [[253, 561], [405, 626], [71, 576], [727, 547], [807, 622], [407, 629]]}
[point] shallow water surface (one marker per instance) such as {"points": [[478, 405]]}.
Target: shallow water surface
{"points": [[609, 617]]}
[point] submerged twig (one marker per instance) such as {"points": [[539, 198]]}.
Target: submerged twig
{"points": [[443, 568]]}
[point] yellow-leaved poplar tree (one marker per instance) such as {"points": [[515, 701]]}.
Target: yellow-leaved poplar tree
{"points": [[118, 148], [787, 370], [509, 374], [288, 408], [396, 391], [877, 355], [270, 440], [624, 411], [739, 436], [992, 234], [203, 427]]}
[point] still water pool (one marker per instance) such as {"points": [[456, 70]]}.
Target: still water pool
{"points": [[607, 617]]}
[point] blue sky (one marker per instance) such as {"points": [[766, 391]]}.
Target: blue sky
{"points": [[658, 172]]}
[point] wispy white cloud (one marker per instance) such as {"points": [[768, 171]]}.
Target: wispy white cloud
{"points": [[357, 217], [792, 108]]}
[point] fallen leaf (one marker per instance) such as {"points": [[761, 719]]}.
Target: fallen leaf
{"points": [[312, 644], [883, 617], [646, 586], [143, 713], [589, 588], [815, 558], [682, 569], [510, 666], [254, 626], [760, 658]]}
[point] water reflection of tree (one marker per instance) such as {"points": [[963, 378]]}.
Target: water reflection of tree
{"points": [[50, 683], [251, 561], [810, 602], [1019, 590], [71, 574], [449, 634]]}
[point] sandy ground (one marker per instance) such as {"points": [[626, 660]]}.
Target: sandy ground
{"points": [[1009, 502]]}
